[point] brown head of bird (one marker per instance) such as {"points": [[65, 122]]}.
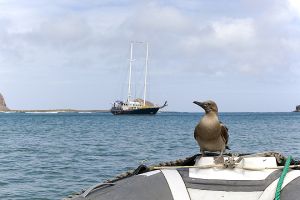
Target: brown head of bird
{"points": [[208, 106]]}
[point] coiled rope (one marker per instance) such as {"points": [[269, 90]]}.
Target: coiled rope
{"points": [[281, 179]]}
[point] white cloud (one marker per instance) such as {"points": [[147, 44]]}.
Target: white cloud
{"points": [[295, 6], [234, 30]]}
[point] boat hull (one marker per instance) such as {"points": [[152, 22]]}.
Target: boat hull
{"points": [[142, 111], [199, 184]]}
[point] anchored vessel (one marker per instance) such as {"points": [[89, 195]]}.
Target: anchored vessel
{"points": [[136, 106], [249, 177]]}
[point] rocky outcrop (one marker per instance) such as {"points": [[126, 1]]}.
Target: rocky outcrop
{"points": [[3, 106], [297, 108]]}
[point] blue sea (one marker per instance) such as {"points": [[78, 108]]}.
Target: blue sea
{"points": [[49, 156]]}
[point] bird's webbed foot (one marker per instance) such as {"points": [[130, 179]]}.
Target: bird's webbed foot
{"points": [[219, 159], [202, 153]]}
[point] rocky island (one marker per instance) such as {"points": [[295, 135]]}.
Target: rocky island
{"points": [[297, 108], [3, 106]]}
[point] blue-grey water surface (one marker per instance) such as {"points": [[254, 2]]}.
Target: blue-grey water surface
{"points": [[49, 156]]}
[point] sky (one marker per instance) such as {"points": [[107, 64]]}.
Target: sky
{"points": [[243, 54]]}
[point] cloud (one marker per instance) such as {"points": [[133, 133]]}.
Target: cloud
{"points": [[295, 6], [72, 32], [234, 30]]}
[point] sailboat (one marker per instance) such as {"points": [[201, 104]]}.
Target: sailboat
{"points": [[138, 105]]}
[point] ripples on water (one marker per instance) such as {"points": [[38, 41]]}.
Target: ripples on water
{"points": [[49, 156]]}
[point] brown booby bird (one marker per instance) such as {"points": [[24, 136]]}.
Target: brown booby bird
{"points": [[210, 133]]}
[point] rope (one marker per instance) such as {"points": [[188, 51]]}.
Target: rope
{"points": [[281, 179], [223, 167], [183, 167]]}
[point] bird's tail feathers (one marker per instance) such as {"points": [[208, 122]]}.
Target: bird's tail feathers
{"points": [[227, 147]]}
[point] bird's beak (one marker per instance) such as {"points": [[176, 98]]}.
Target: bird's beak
{"points": [[199, 103]]}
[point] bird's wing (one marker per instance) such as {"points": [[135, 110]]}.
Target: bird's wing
{"points": [[195, 133], [224, 133]]}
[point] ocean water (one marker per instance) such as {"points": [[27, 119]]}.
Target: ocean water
{"points": [[49, 156]]}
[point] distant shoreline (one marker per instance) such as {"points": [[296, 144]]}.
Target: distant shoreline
{"points": [[108, 111], [59, 110]]}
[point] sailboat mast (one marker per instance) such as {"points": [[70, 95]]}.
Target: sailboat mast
{"points": [[130, 66], [146, 71]]}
